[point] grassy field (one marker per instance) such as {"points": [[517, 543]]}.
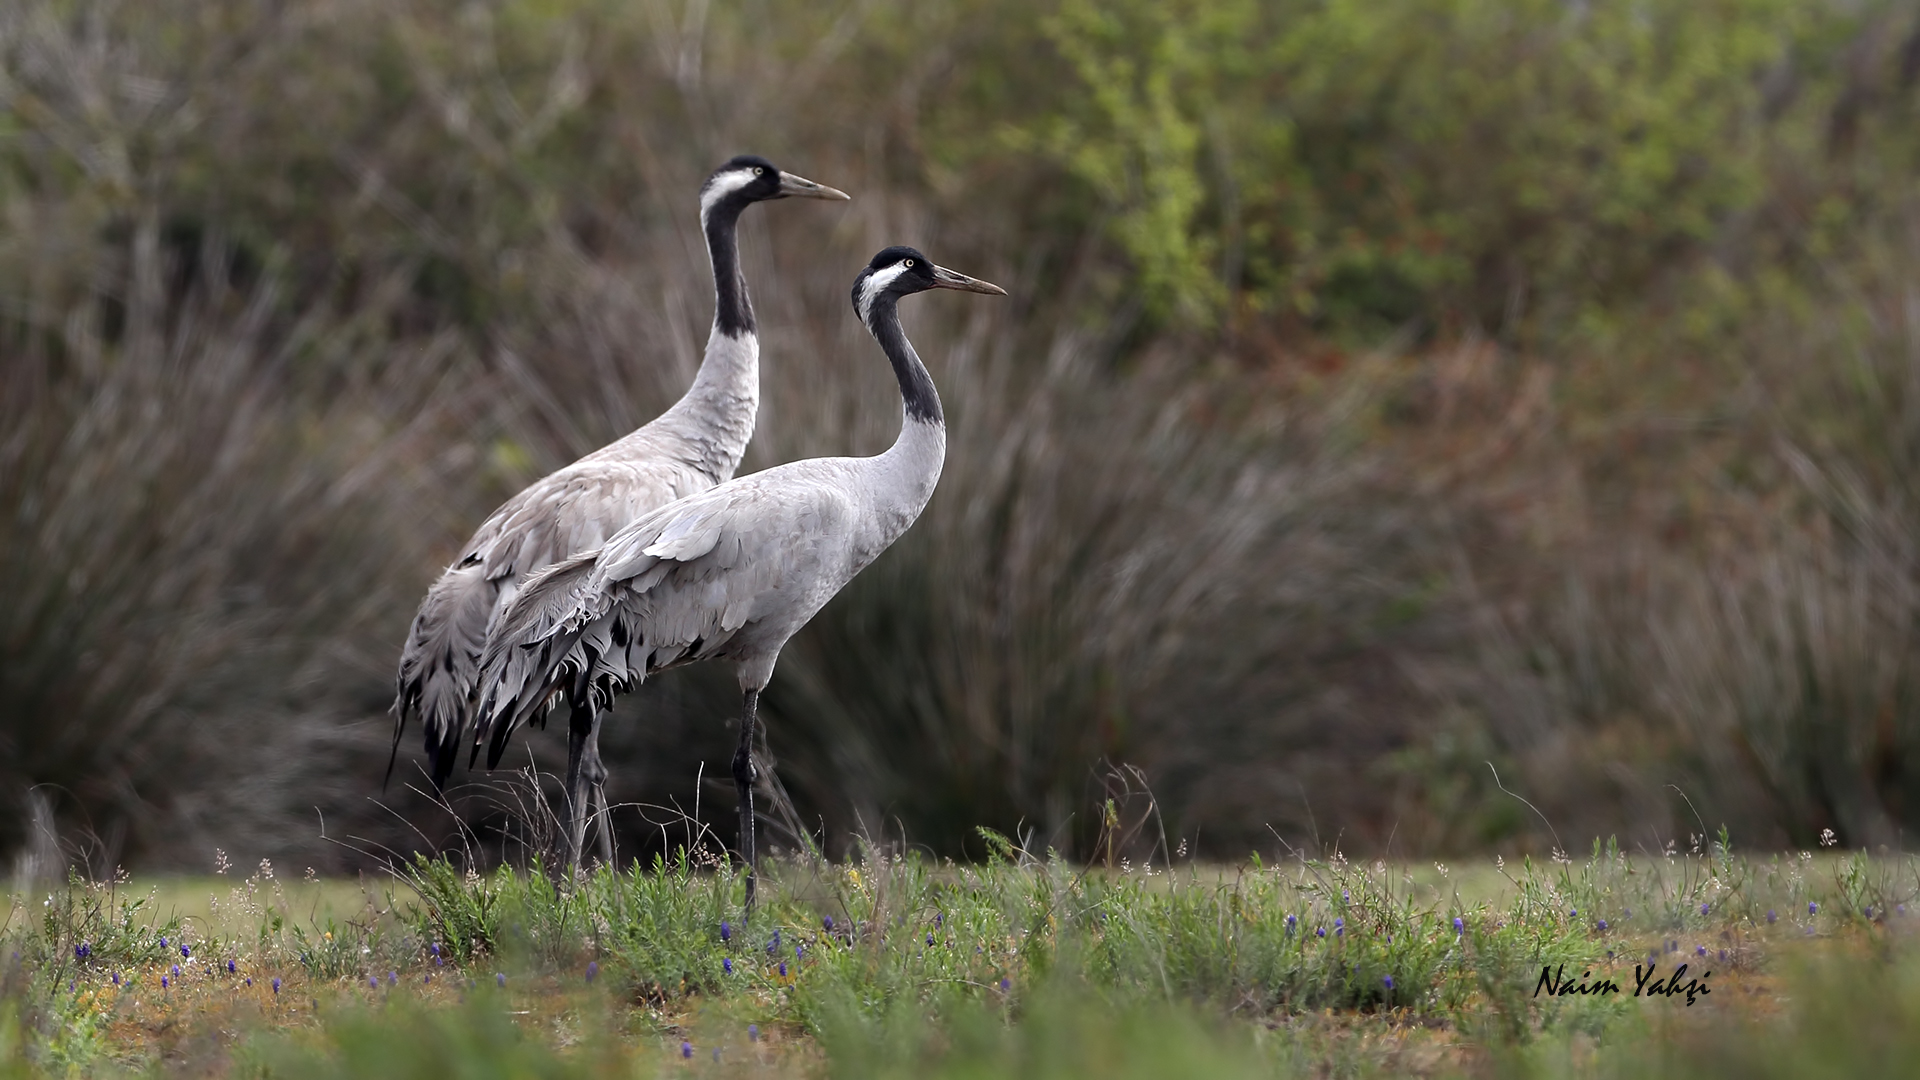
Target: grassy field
{"points": [[1794, 964]]}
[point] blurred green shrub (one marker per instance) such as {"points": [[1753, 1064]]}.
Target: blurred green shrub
{"points": [[1518, 167]]}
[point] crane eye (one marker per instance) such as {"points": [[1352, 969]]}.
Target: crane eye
{"points": [[908, 262], [759, 171]]}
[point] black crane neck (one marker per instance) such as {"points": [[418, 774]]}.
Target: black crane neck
{"points": [[917, 391], [733, 310]]}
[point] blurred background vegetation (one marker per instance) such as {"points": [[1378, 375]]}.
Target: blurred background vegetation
{"points": [[1386, 390]]}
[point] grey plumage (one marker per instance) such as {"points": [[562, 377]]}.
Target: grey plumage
{"points": [[573, 509], [730, 573], [688, 449]]}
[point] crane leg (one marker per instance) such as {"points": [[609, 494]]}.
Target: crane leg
{"points": [[583, 745], [597, 776], [744, 774]]}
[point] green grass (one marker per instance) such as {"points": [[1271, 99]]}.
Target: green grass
{"points": [[893, 965]]}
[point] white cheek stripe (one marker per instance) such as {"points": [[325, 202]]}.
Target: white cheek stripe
{"points": [[720, 187], [876, 284]]}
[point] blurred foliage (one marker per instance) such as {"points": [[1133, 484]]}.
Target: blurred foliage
{"points": [[1524, 169]]}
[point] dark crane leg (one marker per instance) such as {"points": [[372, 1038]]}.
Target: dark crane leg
{"points": [[597, 776], [744, 774], [584, 771]]}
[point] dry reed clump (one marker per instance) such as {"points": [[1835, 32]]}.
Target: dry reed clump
{"points": [[1676, 619], [190, 549]]}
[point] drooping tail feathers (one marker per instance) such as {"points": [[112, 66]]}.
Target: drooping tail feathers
{"points": [[440, 665], [531, 654]]}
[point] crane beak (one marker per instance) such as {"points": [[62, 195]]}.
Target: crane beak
{"points": [[944, 278], [792, 186]]}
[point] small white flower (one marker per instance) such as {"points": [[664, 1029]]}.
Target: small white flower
{"points": [[1827, 839]]}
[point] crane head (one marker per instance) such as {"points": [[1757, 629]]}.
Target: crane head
{"points": [[902, 271], [750, 178]]}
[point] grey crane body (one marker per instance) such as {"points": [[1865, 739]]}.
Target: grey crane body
{"points": [[731, 573], [694, 445]]}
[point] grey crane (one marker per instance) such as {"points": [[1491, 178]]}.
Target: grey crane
{"points": [[733, 572], [687, 449]]}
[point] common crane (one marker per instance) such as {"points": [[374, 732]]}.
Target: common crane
{"points": [[687, 449], [731, 573]]}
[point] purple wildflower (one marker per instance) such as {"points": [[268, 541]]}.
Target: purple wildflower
{"points": [[184, 951], [726, 932], [176, 971], [163, 982], [686, 1049], [1291, 921], [276, 984], [82, 951], [1699, 950], [1813, 907], [1389, 981], [1704, 908], [1319, 931], [783, 969], [1573, 913], [500, 978], [249, 980], [434, 948], [1459, 925], [163, 943], [726, 964], [593, 970], [1771, 916], [1723, 956], [116, 978], [1339, 927], [929, 937], [1005, 985], [753, 1032], [939, 919], [393, 978], [1602, 924], [827, 921], [373, 982], [230, 967]]}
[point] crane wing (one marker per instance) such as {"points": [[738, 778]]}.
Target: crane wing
{"points": [[571, 510], [674, 587], [575, 510]]}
